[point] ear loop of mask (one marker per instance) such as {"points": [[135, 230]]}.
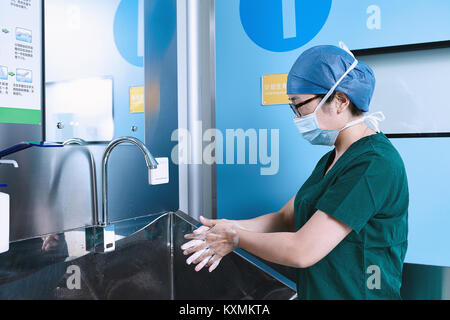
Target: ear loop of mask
{"points": [[353, 66], [344, 47]]}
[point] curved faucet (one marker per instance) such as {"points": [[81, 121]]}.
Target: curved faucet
{"points": [[77, 141], [149, 160], [82, 142]]}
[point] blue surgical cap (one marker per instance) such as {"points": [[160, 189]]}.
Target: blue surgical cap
{"points": [[320, 67]]}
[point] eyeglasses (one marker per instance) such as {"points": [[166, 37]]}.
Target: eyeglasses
{"points": [[295, 107]]}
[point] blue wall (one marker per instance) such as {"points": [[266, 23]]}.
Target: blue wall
{"points": [[242, 192]]}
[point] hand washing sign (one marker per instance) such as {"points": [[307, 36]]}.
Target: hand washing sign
{"points": [[20, 61], [129, 31]]}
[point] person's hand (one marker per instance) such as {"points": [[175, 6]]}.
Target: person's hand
{"points": [[50, 242], [210, 243]]}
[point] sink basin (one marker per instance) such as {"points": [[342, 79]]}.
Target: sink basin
{"points": [[146, 264]]}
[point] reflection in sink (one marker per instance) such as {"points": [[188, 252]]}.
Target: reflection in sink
{"points": [[148, 264]]}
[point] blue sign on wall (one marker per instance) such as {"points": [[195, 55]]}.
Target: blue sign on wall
{"points": [[283, 25], [129, 31]]}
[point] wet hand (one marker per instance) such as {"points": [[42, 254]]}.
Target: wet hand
{"points": [[210, 243], [50, 242]]}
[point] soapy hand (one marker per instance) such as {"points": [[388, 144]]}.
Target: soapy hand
{"points": [[210, 243], [50, 242]]}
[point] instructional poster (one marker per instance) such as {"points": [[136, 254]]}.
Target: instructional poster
{"points": [[20, 61]]}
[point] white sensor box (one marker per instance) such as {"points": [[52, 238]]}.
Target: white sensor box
{"points": [[159, 175]]}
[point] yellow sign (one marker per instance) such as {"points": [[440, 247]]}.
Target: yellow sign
{"points": [[137, 99], [274, 89]]}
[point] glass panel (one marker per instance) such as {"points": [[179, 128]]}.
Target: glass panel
{"points": [[94, 69], [81, 108]]}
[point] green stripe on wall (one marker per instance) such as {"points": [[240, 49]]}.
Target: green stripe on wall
{"points": [[21, 116]]}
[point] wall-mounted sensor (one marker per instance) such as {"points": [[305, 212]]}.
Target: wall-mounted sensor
{"points": [[159, 175]]}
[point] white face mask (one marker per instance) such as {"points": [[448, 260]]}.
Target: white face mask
{"points": [[308, 126]]}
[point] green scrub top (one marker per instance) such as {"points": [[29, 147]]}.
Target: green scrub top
{"points": [[366, 189]]}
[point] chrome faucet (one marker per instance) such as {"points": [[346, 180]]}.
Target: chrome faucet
{"points": [[77, 141], [149, 160], [82, 142]]}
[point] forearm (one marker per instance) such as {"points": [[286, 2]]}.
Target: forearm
{"points": [[279, 247], [302, 249], [272, 222]]}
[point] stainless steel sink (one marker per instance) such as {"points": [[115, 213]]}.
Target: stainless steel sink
{"points": [[146, 264]]}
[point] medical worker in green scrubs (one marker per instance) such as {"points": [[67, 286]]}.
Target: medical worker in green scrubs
{"points": [[346, 229]]}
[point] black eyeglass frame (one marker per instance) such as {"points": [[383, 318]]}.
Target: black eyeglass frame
{"points": [[295, 107]]}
